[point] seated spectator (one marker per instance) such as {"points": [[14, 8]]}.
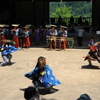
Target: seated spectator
{"points": [[91, 42]]}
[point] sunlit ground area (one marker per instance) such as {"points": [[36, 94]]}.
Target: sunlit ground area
{"points": [[68, 66]]}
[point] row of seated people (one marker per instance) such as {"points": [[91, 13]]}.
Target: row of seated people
{"points": [[52, 39]]}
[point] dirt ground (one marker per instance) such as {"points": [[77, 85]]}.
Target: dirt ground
{"points": [[68, 66]]}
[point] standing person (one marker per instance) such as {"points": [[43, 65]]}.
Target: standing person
{"points": [[47, 34], [37, 35], [80, 20], [2, 34], [42, 75], [80, 32], [21, 36], [6, 50], [15, 33], [26, 33], [6, 31], [71, 20], [53, 34]]}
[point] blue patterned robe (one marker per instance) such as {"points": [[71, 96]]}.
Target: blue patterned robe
{"points": [[46, 78], [7, 49]]}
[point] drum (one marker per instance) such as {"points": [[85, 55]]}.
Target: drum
{"points": [[63, 43], [52, 43]]}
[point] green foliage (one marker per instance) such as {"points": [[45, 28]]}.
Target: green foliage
{"points": [[68, 9], [62, 11]]}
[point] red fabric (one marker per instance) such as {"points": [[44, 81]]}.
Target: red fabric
{"points": [[16, 40], [2, 38], [63, 45], [27, 42], [92, 48]]}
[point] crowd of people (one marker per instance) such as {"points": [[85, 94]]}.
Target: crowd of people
{"points": [[29, 35], [24, 36]]}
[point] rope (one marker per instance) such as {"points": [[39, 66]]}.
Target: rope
{"points": [[70, 46]]}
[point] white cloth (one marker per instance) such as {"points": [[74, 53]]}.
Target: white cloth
{"points": [[80, 32]]}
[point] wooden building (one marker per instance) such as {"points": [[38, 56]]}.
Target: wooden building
{"points": [[35, 11]]}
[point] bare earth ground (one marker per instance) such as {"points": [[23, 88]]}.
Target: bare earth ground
{"points": [[68, 66]]}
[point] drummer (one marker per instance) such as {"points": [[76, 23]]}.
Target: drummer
{"points": [[53, 30], [63, 35], [63, 31], [53, 34]]}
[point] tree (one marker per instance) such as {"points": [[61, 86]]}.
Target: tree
{"points": [[62, 11]]}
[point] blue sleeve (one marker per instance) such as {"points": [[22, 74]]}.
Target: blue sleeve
{"points": [[30, 74]]}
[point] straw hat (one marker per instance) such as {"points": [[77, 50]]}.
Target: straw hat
{"points": [[6, 25], [2, 25], [28, 25], [63, 26], [53, 25], [47, 26], [15, 25], [6, 40]]}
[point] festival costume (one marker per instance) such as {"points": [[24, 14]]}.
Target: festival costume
{"points": [[15, 33], [6, 33], [2, 37], [27, 39], [93, 54], [63, 44], [53, 33], [44, 79], [6, 50]]}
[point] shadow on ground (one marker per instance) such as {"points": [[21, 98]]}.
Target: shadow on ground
{"points": [[33, 92], [90, 67], [9, 64]]}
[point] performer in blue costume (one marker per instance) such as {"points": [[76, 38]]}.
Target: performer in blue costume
{"points": [[42, 75], [6, 50]]}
